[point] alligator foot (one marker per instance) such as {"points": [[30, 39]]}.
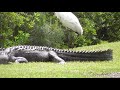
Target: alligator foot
{"points": [[55, 57], [62, 62], [20, 60]]}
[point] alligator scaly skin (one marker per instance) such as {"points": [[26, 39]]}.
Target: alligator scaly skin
{"points": [[87, 55], [68, 55], [43, 53]]}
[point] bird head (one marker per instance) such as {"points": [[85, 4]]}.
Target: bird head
{"points": [[80, 32]]}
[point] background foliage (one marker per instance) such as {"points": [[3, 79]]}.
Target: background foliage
{"points": [[43, 28]]}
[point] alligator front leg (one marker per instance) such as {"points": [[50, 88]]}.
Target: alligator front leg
{"points": [[56, 57], [19, 59]]}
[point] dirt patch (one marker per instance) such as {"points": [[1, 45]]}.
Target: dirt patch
{"points": [[110, 75]]}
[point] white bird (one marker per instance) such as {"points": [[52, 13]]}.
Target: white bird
{"points": [[69, 20]]}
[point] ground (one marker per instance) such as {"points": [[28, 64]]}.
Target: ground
{"points": [[110, 75]]}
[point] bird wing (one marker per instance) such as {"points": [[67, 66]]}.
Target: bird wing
{"points": [[69, 20]]}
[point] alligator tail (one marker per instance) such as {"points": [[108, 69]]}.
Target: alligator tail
{"points": [[86, 55]]}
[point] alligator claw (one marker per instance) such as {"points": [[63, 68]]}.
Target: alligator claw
{"points": [[62, 62]]}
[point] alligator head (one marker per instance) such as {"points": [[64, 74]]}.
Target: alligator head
{"points": [[4, 58]]}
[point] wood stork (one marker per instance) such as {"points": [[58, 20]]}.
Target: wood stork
{"points": [[68, 19]]}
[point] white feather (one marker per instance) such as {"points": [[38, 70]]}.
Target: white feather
{"points": [[68, 19]]}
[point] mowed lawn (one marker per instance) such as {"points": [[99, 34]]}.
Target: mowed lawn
{"points": [[68, 70]]}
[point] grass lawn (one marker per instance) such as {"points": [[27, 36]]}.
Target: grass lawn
{"points": [[69, 70]]}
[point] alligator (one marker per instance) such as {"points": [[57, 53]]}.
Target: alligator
{"points": [[27, 53]]}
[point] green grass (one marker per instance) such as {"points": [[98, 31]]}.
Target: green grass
{"points": [[69, 70]]}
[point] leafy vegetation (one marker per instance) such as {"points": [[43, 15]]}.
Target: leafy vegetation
{"points": [[43, 28], [69, 70]]}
